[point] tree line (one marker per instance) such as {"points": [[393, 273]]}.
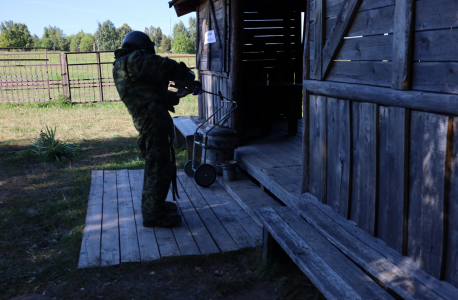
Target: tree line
{"points": [[106, 37]]}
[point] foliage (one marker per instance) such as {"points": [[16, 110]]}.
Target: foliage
{"points": [[54, 36], [107, 36], [166, 44], [184, 39], [155, 34], [15, 35], [51, 149], [87, 42], [122, 32]]}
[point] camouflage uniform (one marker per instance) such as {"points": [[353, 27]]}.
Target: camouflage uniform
{"points": [[142, 80]]}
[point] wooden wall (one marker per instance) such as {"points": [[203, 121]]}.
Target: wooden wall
{"points": [[387, 160], [213, 64]]}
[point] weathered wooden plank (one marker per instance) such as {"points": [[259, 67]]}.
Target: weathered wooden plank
{"points": [[364, 165], [361, 72], [424, 101], [349, 272], [199, 231], [323, 276], [109, 249], [230, 223], [435, 14], [165, 237], [203, 48], [219, 234], [392, 206], [277, 152], [218, 28], [338, 155], [340, 27], [319, 33], [333, 6], [402, 45], [378, 47], [426, 206], [146, 238], [451, 262], [398, 273], [436, 45], [127, 230], [318, 145], [90, 245], [435, 77]]}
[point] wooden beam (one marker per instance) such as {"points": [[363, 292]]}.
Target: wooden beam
{"points": [[402, 44], [424, 101], [236, 63], [341, 26], [218, 36], [320, 31], [202, 34], [305, 186]]}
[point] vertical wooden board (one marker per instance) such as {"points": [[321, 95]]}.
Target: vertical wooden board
{"points": [[318, 144], [451, 263], [165, 238], [109, 251], [209, 98], [392, 177], [90, 244], [200, 233], [320, 21], [127, 227], [146, 238], [214, 226], [338, 155], [427, 179], [364, 165], [215, 87]]}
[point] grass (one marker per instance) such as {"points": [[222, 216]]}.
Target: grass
{"points": [[43, 207]]}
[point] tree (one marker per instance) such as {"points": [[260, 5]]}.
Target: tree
{"points": [[87, 42], [75, 41], [166, 44], [182, 40], [54, 36], [155, 34], [15, 35], [193, 31], [123, 31], [107, 36]]}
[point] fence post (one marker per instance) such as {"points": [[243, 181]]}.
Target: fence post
{"points": [[99, 72], [68, 78], [47, 74]]}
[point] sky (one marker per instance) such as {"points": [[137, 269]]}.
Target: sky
{"points": [[74, 16]]}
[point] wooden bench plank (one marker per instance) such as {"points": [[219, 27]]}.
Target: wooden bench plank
{"points": [[398, 273], [127, 230], [214, 226], [228, 220], [309, 261], [146, 237], [186, 128], [90, 245], [109, 251], [200, 233], [349, 272]]}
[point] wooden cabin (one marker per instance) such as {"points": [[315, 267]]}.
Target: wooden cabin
{"points": [[379, 132]]}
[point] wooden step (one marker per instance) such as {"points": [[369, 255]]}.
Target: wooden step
{"points": [[247, 194]]}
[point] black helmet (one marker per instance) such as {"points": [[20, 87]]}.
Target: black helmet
{"points": [[138, 39]]}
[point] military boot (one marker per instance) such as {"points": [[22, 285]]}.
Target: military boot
{"points": [[170, 206], [165, 221]]}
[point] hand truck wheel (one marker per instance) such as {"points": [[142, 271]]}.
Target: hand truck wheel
{"points": [[205, 175], [188, 168]]}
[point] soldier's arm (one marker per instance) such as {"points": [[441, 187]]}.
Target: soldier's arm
{"points": [[145, 65]]}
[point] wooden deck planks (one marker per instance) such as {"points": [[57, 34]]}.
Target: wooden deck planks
{"points": [[90, 245], [109, 251], [146, 237], [165, 237], [127, 228], [214, 226]]}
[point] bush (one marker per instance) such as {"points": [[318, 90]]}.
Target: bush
{"points": [[51, 149]]}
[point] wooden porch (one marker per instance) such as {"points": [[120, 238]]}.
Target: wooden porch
{"points": [[212, 222]]}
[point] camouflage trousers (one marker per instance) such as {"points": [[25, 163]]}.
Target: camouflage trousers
{"points": [[155, 142]]}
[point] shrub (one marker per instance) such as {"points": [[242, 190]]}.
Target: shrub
{"points": [[51, 149]]}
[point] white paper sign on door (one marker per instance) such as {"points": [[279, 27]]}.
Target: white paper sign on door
{"points": [[209, 37]]}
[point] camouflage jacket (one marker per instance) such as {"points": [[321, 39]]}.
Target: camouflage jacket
{"points": [[142, 79]]}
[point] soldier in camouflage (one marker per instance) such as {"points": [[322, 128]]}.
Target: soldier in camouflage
{"points": [[142, 79]]}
